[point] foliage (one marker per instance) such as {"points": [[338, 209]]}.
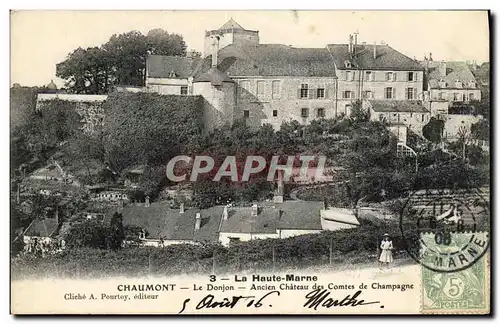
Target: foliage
{"points": [[357, 245], [92, 233], [148, 128], [433, 130], [481, 130], [116, 232], [120, 61]]}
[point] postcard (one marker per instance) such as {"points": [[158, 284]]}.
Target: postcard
{"points": [[250, 162]]}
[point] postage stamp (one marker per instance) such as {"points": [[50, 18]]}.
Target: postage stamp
{"points": [[464, 291]]}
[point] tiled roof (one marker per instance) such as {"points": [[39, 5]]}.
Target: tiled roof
{"points": [[215, 76], [271, 60], [162, 222], [300, 215], [287, 215], [240, 220], [386, 58], [454, 71], [161, 66], [42, 227], [397, 106], [231, 24]]}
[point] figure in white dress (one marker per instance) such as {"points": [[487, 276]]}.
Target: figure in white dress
{"points": [[386, 247]]}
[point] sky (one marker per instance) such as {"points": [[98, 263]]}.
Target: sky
{"points": [[41, 39]]}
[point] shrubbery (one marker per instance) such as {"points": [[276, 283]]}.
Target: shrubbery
{"points": [[358, 245]]}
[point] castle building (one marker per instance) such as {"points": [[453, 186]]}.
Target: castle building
{"points": [[451, 81], [240, 78]]}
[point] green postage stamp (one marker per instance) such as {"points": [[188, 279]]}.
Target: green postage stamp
{"points": [[464, 291]]}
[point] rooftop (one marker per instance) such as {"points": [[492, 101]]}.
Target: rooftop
{"points": [[397, 106], [42, 227], [304, 215], [453, 71], [162, 66], [162, 222], [386, 58], [271, 60]]}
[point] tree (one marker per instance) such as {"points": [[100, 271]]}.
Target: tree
{"points": [[481, 130], [115, 233], [87, 71], [120, 61], [88, 233], [433, 130]]}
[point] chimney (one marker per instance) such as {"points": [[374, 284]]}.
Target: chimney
{"points": [[215, 50], [225, 213], [147, 202], [430, 57], [197, 223], [374, 50], [255, 210], [350, 43], [325, 204], [181, 208]]}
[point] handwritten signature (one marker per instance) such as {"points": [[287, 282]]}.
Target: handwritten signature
{"points": [[209, 302], [320, 298]]}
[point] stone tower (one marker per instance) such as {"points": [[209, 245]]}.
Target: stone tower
{"points": [[218, 91], [230, 33]]}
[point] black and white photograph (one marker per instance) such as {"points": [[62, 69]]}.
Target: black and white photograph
{"points": [[250, 162]]}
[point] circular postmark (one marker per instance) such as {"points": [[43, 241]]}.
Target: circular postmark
{"points": [[446, 230]]}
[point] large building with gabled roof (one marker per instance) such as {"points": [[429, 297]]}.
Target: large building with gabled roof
{"points": [[240, 78]]}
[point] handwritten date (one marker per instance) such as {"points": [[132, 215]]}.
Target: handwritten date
{"points": [[209, 301]]}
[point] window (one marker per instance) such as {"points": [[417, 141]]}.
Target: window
{"points": [[369, 76], [410, 93], [304, 91], [471, 96], [349, 75], [390, 76], [441, 96], [245, 88], [304, 112], [458, 83], [347, 94], [423, 117], [261, 86], [233, 240], [367, 94], [276, 87], [275, 113], [184, 90], [246, 113], [320, 112], [389, 93], [411, 76], [320, 93], [457, 97]]}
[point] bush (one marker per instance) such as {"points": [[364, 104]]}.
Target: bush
{"points": [[360, 244]]}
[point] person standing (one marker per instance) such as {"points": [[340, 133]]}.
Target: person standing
{"points": [[386, 255]]}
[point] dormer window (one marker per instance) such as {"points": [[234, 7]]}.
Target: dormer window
{"points": [[472, 84], [347, 64], [172, 74], [458, 83], [442, 83]]}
